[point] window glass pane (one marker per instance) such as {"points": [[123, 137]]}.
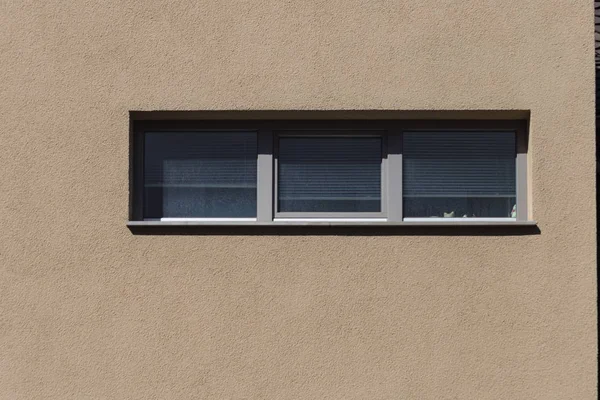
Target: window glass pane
{"points": [[329, 174], [200, 174], [459, 174]]}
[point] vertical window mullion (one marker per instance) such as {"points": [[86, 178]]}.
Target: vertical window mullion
{"points": [[394, 176], [521, 172], [384, 174], [265, 180]]}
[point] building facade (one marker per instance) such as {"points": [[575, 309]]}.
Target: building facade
{"points": [[298, 200]]}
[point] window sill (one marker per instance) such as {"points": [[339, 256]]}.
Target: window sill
{"points": [[333, 223]]}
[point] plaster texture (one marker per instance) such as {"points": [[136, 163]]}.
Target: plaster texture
{"points": [[90, 310]]}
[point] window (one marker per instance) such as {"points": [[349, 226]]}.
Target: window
{"points": [[329, 174], [367, 171], [459, 174], [200, 174]]}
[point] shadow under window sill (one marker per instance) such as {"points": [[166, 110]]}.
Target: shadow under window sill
{"points": [[336, 228]]}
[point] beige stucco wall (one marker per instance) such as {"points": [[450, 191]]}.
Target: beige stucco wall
{"points": [[89, 310]]}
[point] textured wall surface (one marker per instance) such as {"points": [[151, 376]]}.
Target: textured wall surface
{"points": [[89, 310]]}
